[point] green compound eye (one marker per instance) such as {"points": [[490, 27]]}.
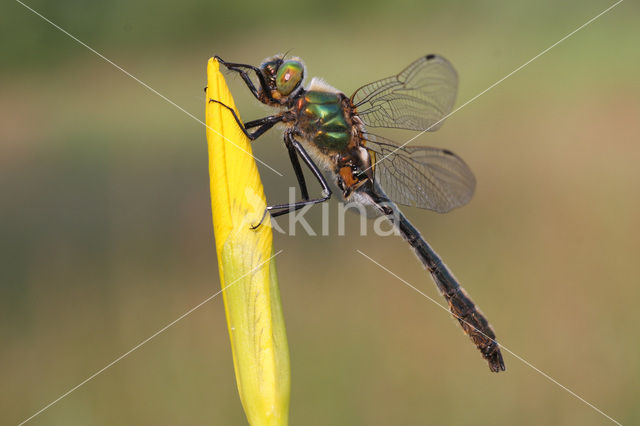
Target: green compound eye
{"points": [[289, 76]]}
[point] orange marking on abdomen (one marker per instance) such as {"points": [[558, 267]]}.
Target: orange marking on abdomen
{"points": [[347, 177]]}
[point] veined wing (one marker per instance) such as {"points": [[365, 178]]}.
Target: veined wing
{"points": [[429, 178], [416, 99]]}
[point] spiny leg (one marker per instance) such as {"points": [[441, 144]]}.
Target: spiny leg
{"points": [[282, 209], [293, 156], [247, 80], [265, 123]]}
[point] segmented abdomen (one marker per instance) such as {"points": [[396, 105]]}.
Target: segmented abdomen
{"points": [[472, 321]]}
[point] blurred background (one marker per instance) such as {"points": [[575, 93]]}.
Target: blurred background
{"points": [[106, 231]]}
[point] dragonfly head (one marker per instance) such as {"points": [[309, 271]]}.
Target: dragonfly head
{"points": [[283, 78]]}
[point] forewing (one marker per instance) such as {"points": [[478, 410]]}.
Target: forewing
{"points": [[417, 99], [429, 178]]}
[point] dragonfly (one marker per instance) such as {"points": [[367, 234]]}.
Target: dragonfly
{"points": [[329, 132]]}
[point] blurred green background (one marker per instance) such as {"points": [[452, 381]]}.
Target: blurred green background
{"points": [[106, 230]]}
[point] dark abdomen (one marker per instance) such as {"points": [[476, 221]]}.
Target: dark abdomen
{"points": [[472, 321]]}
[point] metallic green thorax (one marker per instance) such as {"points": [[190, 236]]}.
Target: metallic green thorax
{"points": [[322, 118]]}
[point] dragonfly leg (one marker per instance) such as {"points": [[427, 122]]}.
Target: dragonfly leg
{"points": [[295, 162], [298, 150], [247, 80], [265, 123]]}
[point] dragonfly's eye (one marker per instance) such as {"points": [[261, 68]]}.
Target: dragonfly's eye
{"points": [[289, 76]]}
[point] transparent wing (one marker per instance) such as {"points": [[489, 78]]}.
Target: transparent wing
{"points": [[428, 178], [416, 99]]}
